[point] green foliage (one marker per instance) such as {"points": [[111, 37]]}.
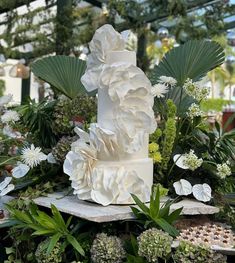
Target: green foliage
{"points": [[213, 104], [44, 225], [156, 215], [132, 251], [192, 60], [62, 72], [187, 252], [38, 120], [169, 134], [2, 87]]}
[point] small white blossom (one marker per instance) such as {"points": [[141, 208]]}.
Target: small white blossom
{"points": [[5, 186], [167, 80], [223, 170], [197, 90], [33, 156], [10, 116], [194, 111], [20, 171], [188, 161], [159, 90], [5, 99]]}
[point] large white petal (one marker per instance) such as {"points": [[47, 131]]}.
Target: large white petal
{"points": [[202, 192], [8, 189], [179, 161], [20, 171], [183, 187], [5, 183]]}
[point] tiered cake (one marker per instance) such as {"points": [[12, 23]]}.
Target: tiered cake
{"points": [[112, 161]]}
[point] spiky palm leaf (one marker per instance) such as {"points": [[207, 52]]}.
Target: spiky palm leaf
{"points": [[192, 60], [62, 72]]}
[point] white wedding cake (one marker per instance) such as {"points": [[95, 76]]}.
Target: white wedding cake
{"points": [[111, 162]]}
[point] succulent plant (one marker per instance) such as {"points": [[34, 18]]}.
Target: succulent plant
{"points": [[62, 147], [107, 249], [154, 244], [54, 257]]}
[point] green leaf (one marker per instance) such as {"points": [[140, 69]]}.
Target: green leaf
{"points": [[69, 221], [140, 204], [75, 244], [54, 239], [58, 218], [167, 227], [174, 215], [43, 232], [62, 72]]}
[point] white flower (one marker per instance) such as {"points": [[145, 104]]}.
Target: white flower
{"points": [[20, 171], [183, 187], [8, 131], [10, 116], [188, 161], [51, 158], [167, 80], [5, 186], [202, 192], [194, 111], [159, 90], [5, 99], [223, 170], [33, 156], [197, 90]]}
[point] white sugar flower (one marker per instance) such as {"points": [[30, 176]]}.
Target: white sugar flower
{"points": [[202, 192], [5, 186], [188, 161], [159, 90], [167, 80], [5, 99], [223, 170], [194, 111], [20, 171], [10, 116], [183, 187], [33, 156], [51, 158]]}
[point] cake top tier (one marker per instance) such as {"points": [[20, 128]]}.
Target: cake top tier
{"points": [[121, 56]]}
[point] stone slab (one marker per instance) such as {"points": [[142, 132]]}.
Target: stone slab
{"points": [[97, 213]]}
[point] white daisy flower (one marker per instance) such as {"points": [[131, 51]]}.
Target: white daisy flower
{"points": [[159, 90], [5, 99], [20, 171], [33, 156], [5, 186], [167, 80], [10, 116]]}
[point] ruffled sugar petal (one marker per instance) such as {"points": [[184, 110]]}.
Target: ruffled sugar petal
{"points": [[82, 134], [68, 163], [183, 187]]}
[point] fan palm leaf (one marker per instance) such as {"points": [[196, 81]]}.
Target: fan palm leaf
{"points": [[62, 72], [192, 60]]}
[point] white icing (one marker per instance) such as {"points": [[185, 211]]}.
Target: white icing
{"points": [[112, 161]]}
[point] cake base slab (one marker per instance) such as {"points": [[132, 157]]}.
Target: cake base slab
{"points": [[97, 213]]}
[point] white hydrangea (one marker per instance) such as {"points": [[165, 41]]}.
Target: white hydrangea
{"points": [[192, 161], [10, 116], [197, 90], [194, 111], [223, 170]]}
